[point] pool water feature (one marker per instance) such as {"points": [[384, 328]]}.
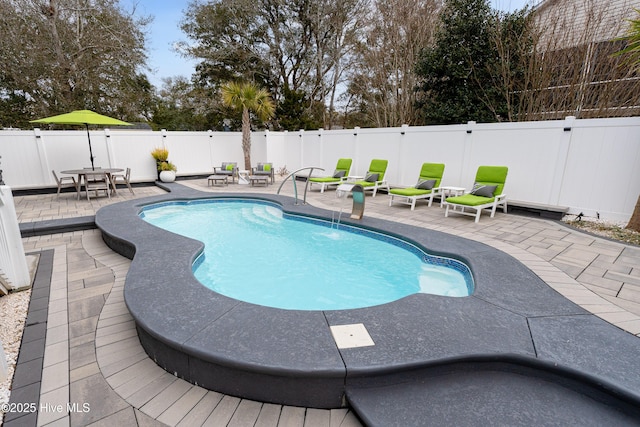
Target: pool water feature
{"points": [[255, 253]]}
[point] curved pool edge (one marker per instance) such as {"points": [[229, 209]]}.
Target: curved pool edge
{"points": [[259, 353], [505, 391]]}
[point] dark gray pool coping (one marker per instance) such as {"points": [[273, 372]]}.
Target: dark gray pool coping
{"points": [[51, 226], [513, 319]]}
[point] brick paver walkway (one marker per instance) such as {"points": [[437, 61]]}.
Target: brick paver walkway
{"points": [[93, 356]]}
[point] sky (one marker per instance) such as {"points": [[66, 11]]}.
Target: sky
{"points": [[164, 31]]}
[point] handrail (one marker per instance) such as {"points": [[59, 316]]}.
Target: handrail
{"points": [[295, 187]]}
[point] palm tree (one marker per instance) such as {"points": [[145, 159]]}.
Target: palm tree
{"points": [[248, 97], [631, 52], [632, 58]]}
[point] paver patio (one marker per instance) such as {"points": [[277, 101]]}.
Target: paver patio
{"points": [[92, 354]]}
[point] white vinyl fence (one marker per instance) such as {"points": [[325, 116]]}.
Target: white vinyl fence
{"points": [[590, 165]]}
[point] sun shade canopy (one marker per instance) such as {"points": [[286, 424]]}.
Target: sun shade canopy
{"points": [[86, 118], [82, 117]]}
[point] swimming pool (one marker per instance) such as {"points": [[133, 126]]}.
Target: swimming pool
{"points": [[512, 319], [255, 253]]}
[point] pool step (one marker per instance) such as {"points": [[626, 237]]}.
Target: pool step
{"points": [[473, 394], [261, 215]]}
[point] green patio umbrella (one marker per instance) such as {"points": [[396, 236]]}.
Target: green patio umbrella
{"points": [[83, 117]]}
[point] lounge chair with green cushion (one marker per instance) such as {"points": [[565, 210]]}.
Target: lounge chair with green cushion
{"points": [[487, 193], [427, 186], [264, 169], [374, 178], [229, 169], [339, 175]]}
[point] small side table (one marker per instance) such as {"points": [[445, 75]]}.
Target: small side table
{"points": [[354, 178], [450, 192], [217, 180], [243, 177], [259, 179]]}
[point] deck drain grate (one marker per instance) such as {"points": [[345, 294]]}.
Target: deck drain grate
{"points": [[351, 336]]}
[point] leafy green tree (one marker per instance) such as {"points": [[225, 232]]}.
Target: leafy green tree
{"points": [[13, 107], [229, 40], [181, 105], [248, 97], [292, 113], [298, 45], [453, 71], [61, 55]]}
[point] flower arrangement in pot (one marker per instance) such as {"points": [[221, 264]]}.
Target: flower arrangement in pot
{"points": [[167, 172], [166, 169]]}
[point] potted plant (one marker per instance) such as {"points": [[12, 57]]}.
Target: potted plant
{"points": [[167, 172], [161, 155]]}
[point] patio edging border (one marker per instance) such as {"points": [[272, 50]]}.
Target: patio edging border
{"points": [[54, 226], [27, 391]]}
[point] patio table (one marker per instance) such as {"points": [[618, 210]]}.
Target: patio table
{"points": [[259, 179], [447, 191], [82, 175], [217, 179]]}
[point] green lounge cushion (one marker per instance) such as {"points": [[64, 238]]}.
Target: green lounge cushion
{"points": [[470, 200], [267, 167], [378, 166], [342, 170], [230, 167], [492, 175], [487, 177], [432, 170], [430, 176], [409, 192], [325, 179], [344, 164]]}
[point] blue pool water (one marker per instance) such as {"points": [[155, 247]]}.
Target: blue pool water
{"points": [[255, 253]]}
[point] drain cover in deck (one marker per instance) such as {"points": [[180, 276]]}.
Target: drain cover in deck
{"points": [[351, 336]]}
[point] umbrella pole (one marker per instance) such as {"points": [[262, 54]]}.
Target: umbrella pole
{"points": [[90, 151]]}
